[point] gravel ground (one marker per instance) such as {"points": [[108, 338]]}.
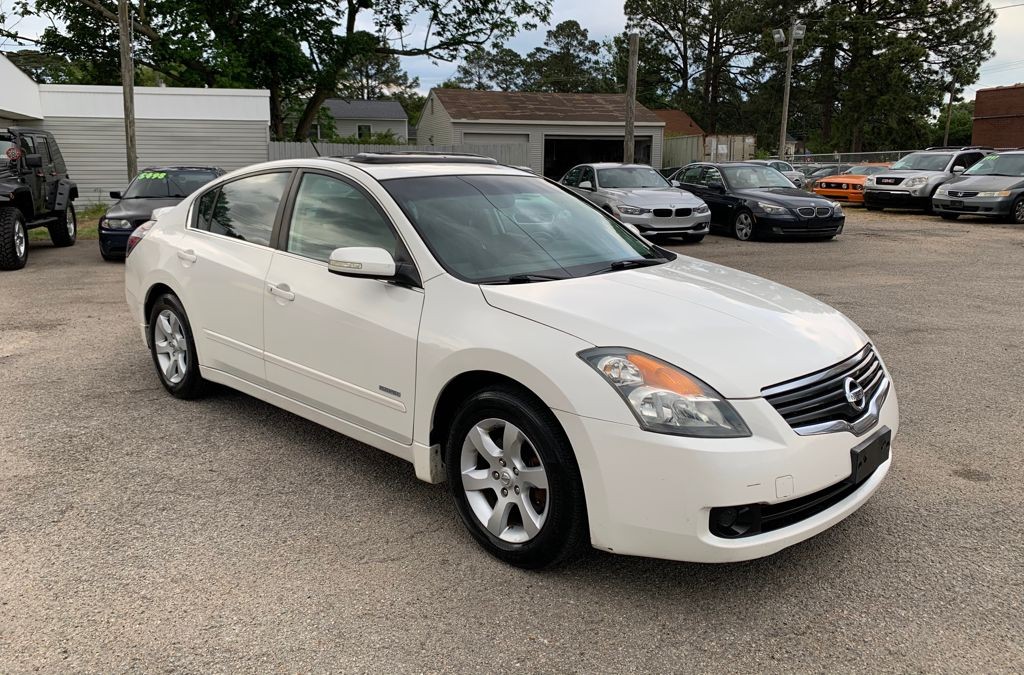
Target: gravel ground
{"points": [[138, 532]]}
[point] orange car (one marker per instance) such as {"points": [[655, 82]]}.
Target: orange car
{"points": [[849, 185]]}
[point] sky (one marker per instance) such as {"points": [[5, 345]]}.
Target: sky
{"points": [[604, 18]]}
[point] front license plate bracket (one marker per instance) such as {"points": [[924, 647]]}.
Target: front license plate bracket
{"points": [[870, 455]]}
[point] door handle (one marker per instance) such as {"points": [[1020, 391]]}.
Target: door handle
{"points": [[187, 256], [281, 291]]}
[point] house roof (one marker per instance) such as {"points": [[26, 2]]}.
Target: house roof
{"points": [[374, 110], [470, 104], [678, 123]]}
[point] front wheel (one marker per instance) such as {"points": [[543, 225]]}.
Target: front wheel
{"points": [[743, 226], [174, 349], [13, 239], [65, 231], [514, 479], [1017, 211]]}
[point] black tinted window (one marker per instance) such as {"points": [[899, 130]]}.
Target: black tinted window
{"points": [[246, 208], [205, 213], [587, 175], [43, 149], [573, 177], [168, 183], [691, 175], [330, 214]]}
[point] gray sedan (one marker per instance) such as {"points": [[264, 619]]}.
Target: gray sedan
{"points": [[992, 187], [639, 195]]}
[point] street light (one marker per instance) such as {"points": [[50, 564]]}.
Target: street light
{"points": [[797, 31]]}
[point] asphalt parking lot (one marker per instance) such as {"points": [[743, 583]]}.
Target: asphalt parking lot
{"points": [[139, 532]]}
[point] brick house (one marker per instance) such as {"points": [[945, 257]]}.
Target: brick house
{"points": [[999, 117]]}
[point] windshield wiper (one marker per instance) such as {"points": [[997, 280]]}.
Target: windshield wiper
{"points": [[524, 279], [628, 265]]}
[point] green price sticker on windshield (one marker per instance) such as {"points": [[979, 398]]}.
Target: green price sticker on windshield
{"points": [[152, 175]]}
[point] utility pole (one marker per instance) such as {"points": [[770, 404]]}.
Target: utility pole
{"points": [[124, 24], [796, 32], [628, 143], [949, 110]]}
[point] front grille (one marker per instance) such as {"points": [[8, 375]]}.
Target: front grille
{"points": [[888, 180], [683, 213], [820, 398], [806, 211], [823, 211], [662, 213], [953, 193]]}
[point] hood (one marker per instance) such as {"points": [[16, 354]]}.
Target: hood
{"points": [[908, 172], [737, 332], [651, 197], [793, 197], [855, 179], [984, 183], [139, 209]]}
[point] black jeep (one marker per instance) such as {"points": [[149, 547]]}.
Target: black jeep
{"points": [[34, 192]]}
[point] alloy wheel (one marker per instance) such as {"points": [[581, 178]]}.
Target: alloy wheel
{"points": [[504, 481], [20, 240], [171, 347], [1018, 211], [69, 217], [744, 226]]}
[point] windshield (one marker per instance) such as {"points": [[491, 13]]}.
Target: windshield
{"points": [[998, 165], [631, 177], [865, 170], [494, 228], [750, 177], [169, 183], [920, 161]]}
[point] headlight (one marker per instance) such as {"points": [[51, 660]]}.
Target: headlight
{"points": [[665, 399], [703, 208], [870, 180], [915, 182], [632, 210], [1000, 193], [942, 190], [772, 209], [117, 224], [837, 209]]}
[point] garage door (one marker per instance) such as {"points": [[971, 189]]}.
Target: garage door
{"points": [[478, 138]]}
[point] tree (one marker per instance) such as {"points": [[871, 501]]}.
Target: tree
{"points": [[293, 48], [961, 125], [374, 76], [569, 61]]}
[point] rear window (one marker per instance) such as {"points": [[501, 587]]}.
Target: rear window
{"points": [[168, 183]]}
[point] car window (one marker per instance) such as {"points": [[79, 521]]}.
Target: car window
{"points": [[692, 174], [968, 159], [205, 211], [43, 149], [168, 183], [245, 208], [28, 145], [588, 175], [572, 178], [330, 214], [711, 175], [782, 166], [631, 177], [998, 165], [488, 228]]}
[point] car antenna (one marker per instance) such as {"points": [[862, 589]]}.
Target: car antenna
{"points": [[314, 146]]}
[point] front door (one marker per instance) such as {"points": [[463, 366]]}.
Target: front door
{"points": [[34, 176], [224, 255], [343, 345]]}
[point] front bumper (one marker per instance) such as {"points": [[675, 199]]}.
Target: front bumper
{"points": [[651, 494], [985, 206], [897, 199], [695, 223], [778, 226], [114, 242], [839, 195]]}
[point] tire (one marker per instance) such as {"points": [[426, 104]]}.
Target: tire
{"points": [[65, 231], [169, 331], [13, 239], [949, 216], [743, 226], [693, 238], [1017, 211], [533, 527]]}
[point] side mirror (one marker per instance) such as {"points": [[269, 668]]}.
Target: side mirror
{"points": [[34, 161], [585, 185], [114, 194], [958, 169], [362, 261], [676, 183]]}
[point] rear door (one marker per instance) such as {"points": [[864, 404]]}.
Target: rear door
{"points": [[224, 256], [342, 345]]}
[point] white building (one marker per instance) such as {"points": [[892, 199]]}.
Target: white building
{"points": [[228, 128], [362, 119], [559, 130]]}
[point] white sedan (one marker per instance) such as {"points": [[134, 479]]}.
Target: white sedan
{"points": [[572, 383]]}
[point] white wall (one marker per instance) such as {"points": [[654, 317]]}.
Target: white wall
{"points": [[19, 95], [156, 103]]}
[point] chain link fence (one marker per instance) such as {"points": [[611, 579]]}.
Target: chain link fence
{"points": [[838, 158]]}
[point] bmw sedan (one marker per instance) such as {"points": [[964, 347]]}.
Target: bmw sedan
{"points": [[751, 201], [572, 384]]}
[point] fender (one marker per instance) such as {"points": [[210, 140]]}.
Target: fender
{"points": [[66, 192]]}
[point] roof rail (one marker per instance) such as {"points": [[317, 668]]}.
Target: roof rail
{"points": [[419, 157], [960, 147]]}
